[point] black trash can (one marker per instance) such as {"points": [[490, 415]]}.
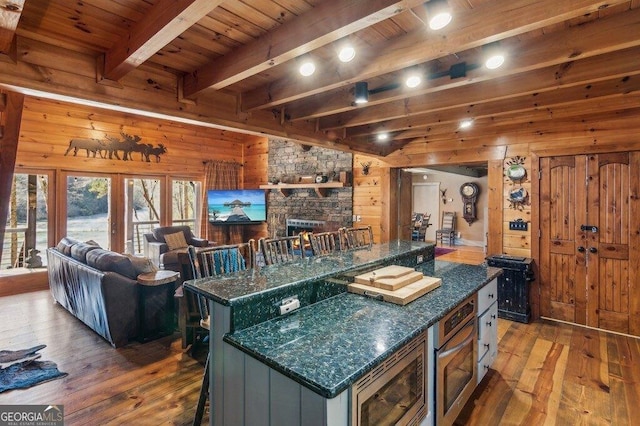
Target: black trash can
{"points": [[513, 286]]}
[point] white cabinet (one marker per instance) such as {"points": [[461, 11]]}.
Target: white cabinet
{"points": [[487, 327]]}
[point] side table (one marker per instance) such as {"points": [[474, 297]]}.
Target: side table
{"points": [[151, 284]]}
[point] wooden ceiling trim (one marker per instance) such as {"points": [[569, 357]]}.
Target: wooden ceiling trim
{"points": [[596, 38], [9, 17], [328, 22], [585, 71], [166, 20], [470, 29]]}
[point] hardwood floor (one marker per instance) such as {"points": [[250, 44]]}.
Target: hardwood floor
{"points": [[545, 373], [464, 254], [144, 384]]}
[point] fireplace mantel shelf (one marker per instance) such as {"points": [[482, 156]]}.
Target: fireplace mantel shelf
{"points": [[287, 188]]}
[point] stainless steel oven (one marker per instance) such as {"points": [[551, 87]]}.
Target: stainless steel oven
{"points": [[456, 345], [394, 393]]}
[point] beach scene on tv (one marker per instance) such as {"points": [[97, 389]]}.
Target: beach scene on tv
{"points": [[237, 205]]}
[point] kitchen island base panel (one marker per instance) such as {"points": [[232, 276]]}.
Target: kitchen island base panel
{"points": [[260, 395]]}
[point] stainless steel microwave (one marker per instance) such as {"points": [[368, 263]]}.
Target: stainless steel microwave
{"points": [[395, 392]]}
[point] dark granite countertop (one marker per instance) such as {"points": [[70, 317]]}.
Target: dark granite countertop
{"points": [[239, 287], [329, 345]]}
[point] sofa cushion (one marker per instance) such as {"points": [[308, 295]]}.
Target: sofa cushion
{"points": [[106, 260], [142, 265], [79, 251], [65, 244], [175, 241]]}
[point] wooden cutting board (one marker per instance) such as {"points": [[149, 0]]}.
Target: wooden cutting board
{"points": [[390, 277], [401, 296]]}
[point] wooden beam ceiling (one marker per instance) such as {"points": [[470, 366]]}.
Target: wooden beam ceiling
{"points": [[166, 21], [327, 22], [10, 11], [470, 29], [591, 39], [582, 72]]}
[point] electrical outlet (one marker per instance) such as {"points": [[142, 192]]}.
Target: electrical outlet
{"points": [[420, 259], [289, 304]]}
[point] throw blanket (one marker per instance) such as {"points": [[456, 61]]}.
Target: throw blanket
{"points": [[20, 370]]}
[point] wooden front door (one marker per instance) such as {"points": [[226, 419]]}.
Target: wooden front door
{"points": [[590, 240]]}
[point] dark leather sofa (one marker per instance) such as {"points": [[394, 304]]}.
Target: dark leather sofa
{"points": [[157, 249], [97, 286]]}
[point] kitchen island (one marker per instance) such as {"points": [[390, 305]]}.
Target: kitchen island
{"points": [[305, 362]]}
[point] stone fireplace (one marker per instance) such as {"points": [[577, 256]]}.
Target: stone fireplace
{"points": [[326, 213]]}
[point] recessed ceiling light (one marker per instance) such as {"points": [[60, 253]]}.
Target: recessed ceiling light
{"points": [[465, 124], [307, 68], [494, 61], [347, 53], [413, 80], [494, 55], [439, 14], [383, 136]]}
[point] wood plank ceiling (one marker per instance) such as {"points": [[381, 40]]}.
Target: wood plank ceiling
{"points": [[564, 59]]}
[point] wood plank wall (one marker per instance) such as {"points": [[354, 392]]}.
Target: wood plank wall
{"points": [[369, 195], [48, 127]]}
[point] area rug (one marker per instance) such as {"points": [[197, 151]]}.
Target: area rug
{"points": [[441, 250], [22, 369]]}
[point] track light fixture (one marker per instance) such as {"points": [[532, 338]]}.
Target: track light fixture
{"points": [[361, 93], [438, 13]]}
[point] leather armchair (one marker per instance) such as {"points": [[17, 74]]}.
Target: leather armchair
{"points": [[157, 249]]}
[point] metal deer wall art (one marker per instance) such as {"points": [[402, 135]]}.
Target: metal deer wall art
{"points": [[111, 146]]}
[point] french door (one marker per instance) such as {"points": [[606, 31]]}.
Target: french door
{"points": [[590, 240]]}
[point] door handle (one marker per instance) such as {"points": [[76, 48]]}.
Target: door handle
{"points": [[593, 250], [581, 249]]}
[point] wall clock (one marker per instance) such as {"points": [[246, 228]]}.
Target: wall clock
{"points": [[469, 192]]}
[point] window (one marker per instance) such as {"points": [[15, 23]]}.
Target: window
{"points": [[185, 203], [143, 211], [27, 226], [89, 209]]}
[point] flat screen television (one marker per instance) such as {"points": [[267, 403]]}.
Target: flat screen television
{"points": [[236, 206]]}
